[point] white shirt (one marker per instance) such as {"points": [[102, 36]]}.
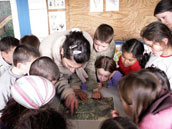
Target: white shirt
{"points": [[3, 66], [163, 63]]}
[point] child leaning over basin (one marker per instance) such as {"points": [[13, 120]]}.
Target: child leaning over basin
{"points": [[103, 45], [133, 57], [158, 38], [106, 73], [145, 100]]}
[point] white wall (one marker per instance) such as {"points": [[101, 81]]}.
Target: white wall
{"points": [[38, 18], [15, 19]]}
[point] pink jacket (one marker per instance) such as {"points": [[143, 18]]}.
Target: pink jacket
{"points": [[159, 115], [161, 120]]}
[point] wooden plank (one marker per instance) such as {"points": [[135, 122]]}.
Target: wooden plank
{"points": [[127, 22]]}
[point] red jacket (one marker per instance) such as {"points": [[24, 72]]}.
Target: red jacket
{"points": [[126, 70]]}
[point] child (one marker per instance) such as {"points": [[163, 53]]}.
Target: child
{"points": [[132, 58], [7, 46], [163, 12], [161, 76], [158, 37], [145, 100], [31, 40], [118, 123], [28, 93], [42, 119], [103, 45], [23, 56], [46, 67], [106, 72], [70, 50]]}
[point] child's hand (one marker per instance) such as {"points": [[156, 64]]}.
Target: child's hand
{"points": [[99, 85], [97, 95], [114, 113]]}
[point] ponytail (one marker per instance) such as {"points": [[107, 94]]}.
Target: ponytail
{"points": [[144, 59]]}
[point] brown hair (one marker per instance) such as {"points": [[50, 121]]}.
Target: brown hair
{"points": [[31, 40], [163, 6], [104, 33], [7, 43], [118, 123], [107, 63], [156, 31], [43, 118], [45, 67], [24, 53], [139, 89]]}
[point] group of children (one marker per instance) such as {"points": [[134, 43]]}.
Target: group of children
{"points": [[66, 64]]}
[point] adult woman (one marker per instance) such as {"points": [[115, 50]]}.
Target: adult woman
{"points": [[70, 50]]}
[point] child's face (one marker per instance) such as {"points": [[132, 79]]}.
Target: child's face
{"points": [[156, 48], [8, 56], [71, 65], [100, 46], [165, 18], [127, 108], [128, 59], [103, 75]]}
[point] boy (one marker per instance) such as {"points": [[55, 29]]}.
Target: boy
{"points": [[47, 68], [7, 46], [23, 56], [31, 40], [103, 45]]}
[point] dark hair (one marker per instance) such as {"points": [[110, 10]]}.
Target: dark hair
{"points": [[139, 89], [11, 113], [118, 123], [24, 53], [107, 63], [104, 33], [7, 43], [163, 6], [41, 119], [161, 75], [45, 67], [31, 40], [156, 31], [15, 115], [76, 46], [136, 47]]}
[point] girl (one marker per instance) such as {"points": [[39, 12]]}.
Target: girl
{"points": [[118, 123], [158, 37], [163, 12], [145, 100], [46, 118], [28, 93], [107, 74], [161, 76], [132, 58]]}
